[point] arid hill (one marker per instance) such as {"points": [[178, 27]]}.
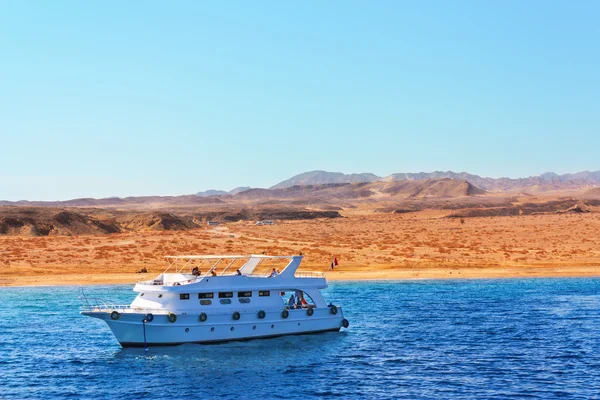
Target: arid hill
{"points": [[51, 221], [324, 178], [32, 221], [557, 206], [429, 188]]}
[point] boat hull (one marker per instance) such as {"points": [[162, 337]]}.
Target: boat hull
{"points": [[129, 327]]}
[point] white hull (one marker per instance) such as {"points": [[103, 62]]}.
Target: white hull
{"points": [[129, 328]]}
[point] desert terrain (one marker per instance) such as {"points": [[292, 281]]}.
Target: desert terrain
{"points": [[432, 228]]}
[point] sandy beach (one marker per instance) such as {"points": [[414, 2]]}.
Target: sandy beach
{"points": [[332, 276], [423, 245]]}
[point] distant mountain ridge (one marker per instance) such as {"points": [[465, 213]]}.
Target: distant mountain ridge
{"points": [[325, 184], [546, 181], [211, 192], [324, 177], [421, 189], [322, 193]]}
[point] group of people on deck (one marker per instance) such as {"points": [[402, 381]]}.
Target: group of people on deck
{"points": [[296, 300], [274, 273], [196, 272]]}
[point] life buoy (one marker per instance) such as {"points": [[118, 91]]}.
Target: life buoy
{"points": [[115, 315], [203, 317], [172, 317], [345, 323], [285, 314], [236, 316], [334, 310], [310, 312], [262, 314], [149, 317]]}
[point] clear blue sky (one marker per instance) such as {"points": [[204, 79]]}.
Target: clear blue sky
{"points": [[122, 98]]}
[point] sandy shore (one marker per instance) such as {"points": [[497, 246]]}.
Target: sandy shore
{"points": [[423, 245], [399, 274]]}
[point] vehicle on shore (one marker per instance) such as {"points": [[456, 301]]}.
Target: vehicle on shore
{"points": [[264, 222], [230, 303]]}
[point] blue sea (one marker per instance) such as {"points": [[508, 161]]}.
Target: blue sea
{"points": [[458, 339]]}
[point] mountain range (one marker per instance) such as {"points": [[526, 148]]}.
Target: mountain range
{"points": [[211, 192], [315, 194], [544, 182], [322, 186]]}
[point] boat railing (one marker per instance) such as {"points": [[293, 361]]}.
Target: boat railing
{"points": [[157, 282], [97, 304], [104, 307], [310, 274], [307, 274], [160, 282], [151, 282]]}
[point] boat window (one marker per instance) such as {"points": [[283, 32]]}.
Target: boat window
{"points": [[205, 302], [184, 296], [264, 293], [244, 300], [206, 295], [225, 301], [225, 295], [244, 294], [141, 294]]}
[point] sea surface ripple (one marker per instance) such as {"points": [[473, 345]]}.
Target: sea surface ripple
{"points": [[460, 339]]}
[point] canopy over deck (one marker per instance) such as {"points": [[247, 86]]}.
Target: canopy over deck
{"points": [[228, 257], [245, 267]]}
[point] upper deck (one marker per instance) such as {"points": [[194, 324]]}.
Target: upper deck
{"points": [[232, 271]]}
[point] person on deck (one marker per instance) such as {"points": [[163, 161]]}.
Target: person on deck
{"points": [[274, 273]]}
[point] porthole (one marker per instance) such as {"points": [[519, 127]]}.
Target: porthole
{"points": [[231, 329], [298, 323], [188, 329], [212, 329], [141, 294], [272, 326], [160, 296], [254, 328]]}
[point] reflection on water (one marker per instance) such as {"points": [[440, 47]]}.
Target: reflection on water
{"points": [[536, 338]]}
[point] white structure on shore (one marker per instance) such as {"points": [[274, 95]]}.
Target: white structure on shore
{"points": [[234, 304]]}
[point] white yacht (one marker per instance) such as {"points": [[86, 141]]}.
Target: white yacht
{"points": [[237, 298]]}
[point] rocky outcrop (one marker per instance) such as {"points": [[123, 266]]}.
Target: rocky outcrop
{"points": [[45, 221], [26, 221], [579, 208]]}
